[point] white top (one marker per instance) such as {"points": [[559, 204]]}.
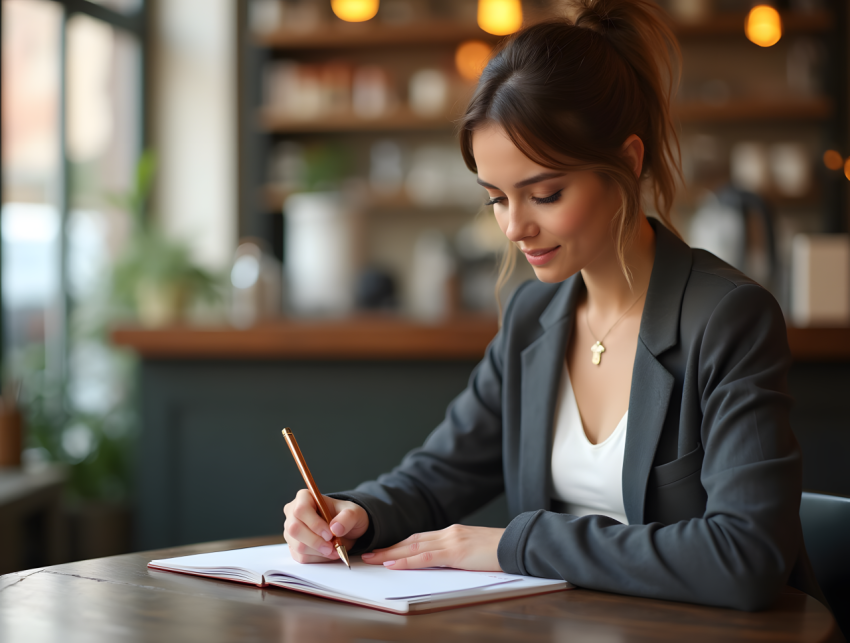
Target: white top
{"points": [[587, 477]]}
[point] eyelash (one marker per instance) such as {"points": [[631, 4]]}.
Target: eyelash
{"points": [[548, 199], [539, 200]]}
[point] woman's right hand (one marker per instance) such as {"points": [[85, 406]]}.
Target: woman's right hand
{"points": [[309, 536]]}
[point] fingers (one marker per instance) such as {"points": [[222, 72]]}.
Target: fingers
{"points": [[304, 509], [459, 546], [438, 558], [412, 546], [306, 532], [309, 536], [303, 554], [304, 541], [351, 520]]}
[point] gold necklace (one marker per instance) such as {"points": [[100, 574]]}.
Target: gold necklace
{"points": [[597, 349]]}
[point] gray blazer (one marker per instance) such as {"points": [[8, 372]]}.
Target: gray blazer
{"points": [[711, 474]]}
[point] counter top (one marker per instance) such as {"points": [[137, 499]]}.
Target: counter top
{"points": [[381, 338], [355, 338], [820, 344]]}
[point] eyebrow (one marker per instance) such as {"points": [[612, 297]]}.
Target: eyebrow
{"points": [[537, 178]]}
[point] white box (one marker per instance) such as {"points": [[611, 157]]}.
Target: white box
{"points": [[820, 280]]}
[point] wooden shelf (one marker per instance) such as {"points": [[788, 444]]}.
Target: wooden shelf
{"points": [[345, 35], [401, 119], [359, 338], [732, 24], [750, 110], [272, 198], [820, 344], [342, 35], [745, 110], [382, 338], [693, 195]]}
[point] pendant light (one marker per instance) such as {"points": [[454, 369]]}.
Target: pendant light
{"points": [[355, 10], [832, 160], [763, 25], [471, 57], [500, 17]]}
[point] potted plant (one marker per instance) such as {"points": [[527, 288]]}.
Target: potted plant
{"points": [[94, 447], [155, 276], [320, 230]]}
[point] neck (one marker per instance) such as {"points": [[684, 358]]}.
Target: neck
{"points": [[608, 291]]}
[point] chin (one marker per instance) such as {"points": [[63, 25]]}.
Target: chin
{"points": [[552, 275]]}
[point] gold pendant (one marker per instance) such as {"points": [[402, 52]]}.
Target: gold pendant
{"points": [[597, 349]]}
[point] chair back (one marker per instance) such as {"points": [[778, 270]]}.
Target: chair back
{"points": [[826, 532]]}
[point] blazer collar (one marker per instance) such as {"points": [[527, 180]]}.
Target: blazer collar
{"points": [[659, 326], [563, 303]]}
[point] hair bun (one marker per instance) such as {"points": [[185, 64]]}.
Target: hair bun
{"points": [[638, 29], [599, 15]]}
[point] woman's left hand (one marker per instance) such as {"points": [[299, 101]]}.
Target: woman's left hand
{"points": [[458, 546]]}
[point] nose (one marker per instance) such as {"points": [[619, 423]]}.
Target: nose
{"points": [[517, 224]]}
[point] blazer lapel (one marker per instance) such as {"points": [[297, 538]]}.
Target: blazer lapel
{"points": [[542, 365], [649, 398], [652, 384]]}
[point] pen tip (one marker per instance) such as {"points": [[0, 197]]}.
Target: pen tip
{"points": [[343, 555]]}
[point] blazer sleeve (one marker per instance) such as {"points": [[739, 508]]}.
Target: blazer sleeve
{"points": [[457, 470], [740, 552]]}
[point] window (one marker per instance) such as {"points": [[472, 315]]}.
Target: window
{"points": [[72, 132]]}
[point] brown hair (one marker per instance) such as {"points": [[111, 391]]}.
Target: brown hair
{"points": [[569, 93]]}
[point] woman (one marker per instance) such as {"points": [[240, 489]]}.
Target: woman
{"points": [[633, 406]]}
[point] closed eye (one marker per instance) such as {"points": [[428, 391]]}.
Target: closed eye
{"points": [[548, 199], [495, 200]]}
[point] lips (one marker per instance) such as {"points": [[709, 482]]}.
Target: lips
{"points": [[540, 256]]}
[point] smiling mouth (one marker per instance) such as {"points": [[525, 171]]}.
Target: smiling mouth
{"points": [[541, 252], [542, 256]]}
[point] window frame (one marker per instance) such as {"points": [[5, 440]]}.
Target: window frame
{"points": [[136, 24]]}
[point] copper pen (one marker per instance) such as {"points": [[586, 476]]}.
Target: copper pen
{"points": [[289, 436]]}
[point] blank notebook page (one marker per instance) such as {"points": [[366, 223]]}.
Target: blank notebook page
{"points": [[374, 582]]}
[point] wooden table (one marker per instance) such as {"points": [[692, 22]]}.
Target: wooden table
{"points": [[119, 599]]}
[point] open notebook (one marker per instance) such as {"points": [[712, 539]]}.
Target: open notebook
{"points": [[374, 586]]}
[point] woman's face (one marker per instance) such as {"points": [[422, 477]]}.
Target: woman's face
{"points": [[560, 220]]}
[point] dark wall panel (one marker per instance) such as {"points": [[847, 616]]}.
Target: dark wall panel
{"points": [[821, 422], [213, 463]]}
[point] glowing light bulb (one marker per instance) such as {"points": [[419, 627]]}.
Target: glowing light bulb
{"points": [[832, 160], [847, 169], [763, 25], [355, 10], [471, 58], [500, 17]]}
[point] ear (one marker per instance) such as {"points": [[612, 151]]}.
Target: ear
{"points": [[633, 151]]}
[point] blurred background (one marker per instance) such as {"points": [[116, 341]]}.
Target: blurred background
{"points": [[223, 217]]}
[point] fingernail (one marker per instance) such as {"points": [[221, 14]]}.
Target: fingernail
{"points": [[338, 529], [326, 550], [389, 563], [368, 556], [327, 535]]}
